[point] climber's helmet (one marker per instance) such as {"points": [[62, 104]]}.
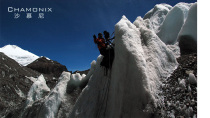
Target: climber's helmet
{"points": [[100, 35]]}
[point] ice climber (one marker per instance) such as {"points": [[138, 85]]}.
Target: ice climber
{"points": [[100, 41], [106, 48]]}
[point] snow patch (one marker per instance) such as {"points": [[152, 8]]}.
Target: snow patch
{"points": [[45, 57], [19, 92], [33, 79]]}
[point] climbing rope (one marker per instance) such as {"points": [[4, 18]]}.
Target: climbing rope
{"points": [[106, 92], [108, 84], [112, 34], [103, 96]]}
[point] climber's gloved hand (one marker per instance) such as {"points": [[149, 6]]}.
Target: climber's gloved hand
{"points": [[94, 36]]}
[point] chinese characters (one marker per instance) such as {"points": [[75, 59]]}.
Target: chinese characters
{"points": [[29, 13]]}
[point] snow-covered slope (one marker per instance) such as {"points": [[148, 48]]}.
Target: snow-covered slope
{"points": [[21, 56], [141, 59]]}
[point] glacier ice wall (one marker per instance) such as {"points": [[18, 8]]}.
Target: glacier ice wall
{"points": [[131, 87], [190, 26], [80, 81], [90, 100], [173, 23], [52, 102], [157, 15], [188, 34], [57, 103], [49, 105], [37, 90]]}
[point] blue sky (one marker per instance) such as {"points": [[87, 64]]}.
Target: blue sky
{"points": [[65, 35]]}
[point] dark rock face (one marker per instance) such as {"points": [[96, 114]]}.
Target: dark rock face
{"points": [[46, 66], [14, 86], [187, 45]]}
